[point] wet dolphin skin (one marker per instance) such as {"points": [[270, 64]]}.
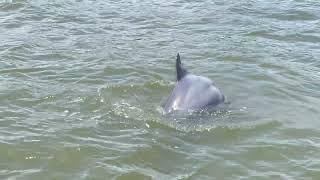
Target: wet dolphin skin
{"points": [[192, 92]]}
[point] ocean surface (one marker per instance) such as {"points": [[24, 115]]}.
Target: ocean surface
{"points": [[83, 84]]}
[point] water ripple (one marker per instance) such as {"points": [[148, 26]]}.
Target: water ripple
{"points": [[83, 84]]}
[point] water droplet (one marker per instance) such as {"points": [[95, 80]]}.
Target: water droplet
{"points": [[30, 157], [148, 126]]}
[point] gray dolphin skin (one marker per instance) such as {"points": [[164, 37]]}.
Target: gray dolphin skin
{"points": [[192, 92]]}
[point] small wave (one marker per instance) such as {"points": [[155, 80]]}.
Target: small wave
{"points": [[287, 37], [12, 5], [294, 15]]}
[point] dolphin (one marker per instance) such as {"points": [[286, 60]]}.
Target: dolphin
{"points": [[192, 92]]}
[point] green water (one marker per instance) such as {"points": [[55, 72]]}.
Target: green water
{"points": [[82, 84]]}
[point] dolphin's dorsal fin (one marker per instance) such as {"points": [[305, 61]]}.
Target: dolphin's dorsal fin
{"points": [[181, 71]]}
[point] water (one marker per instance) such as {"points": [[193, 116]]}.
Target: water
{"points": [[82, 84]]}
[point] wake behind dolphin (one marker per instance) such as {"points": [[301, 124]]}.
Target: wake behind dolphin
{"points": [[192, 92]]}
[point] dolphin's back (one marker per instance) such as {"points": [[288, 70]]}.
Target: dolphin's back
{"points": [[192, 93]]}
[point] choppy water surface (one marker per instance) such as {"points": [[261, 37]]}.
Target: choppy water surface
{"points": [[82, 84]]}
